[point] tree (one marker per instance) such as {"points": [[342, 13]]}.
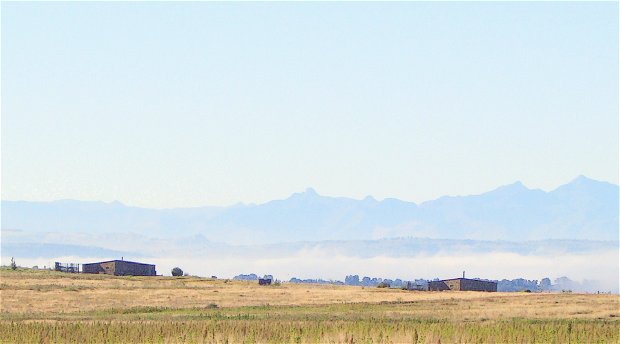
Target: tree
{"points": [[545, 284], [177, 272], [352, 280], [13, 265]]}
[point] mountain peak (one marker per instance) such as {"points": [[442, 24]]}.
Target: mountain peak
{"points": [[584, 183], [310, 191], [369, 199], [581, 179], [514, 187]]}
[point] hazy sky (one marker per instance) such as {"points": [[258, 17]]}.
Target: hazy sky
{"points": [[187, 104]]}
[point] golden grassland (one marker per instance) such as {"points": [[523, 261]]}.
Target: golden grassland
{"points": [[44, 306]]}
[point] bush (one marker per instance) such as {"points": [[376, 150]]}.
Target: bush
{"points": [[177, 272], [13, 265], [383, 285]]}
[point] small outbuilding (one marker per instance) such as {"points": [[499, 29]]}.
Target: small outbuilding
{"points": [[264, 281], [119, 268]]}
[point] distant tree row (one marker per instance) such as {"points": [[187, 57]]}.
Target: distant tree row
{"points": [[559, 284], [515, 285], [376, 281], [314, 281], [251, 277]]}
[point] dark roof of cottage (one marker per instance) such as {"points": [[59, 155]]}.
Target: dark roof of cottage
{"points": [[118, 260]]}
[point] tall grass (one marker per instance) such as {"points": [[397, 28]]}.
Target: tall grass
{"points": [[249, 330]]}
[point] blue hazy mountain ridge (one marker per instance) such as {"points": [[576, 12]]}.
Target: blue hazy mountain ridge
{"points": [[100, 217], [583, 209], [393, 247], [45, 250]]}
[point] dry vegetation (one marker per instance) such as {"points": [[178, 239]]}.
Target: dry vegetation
{"points": [[43, 306]]}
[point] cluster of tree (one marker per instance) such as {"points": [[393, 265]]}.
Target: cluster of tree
{"points": [[376, 281], [521, 284], [370, 281], [566, 284], [251, 277], [315, 281], [365, 282], [559, 284]]}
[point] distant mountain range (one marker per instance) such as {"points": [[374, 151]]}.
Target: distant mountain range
{"points": [[394, 247], [583, 209]]}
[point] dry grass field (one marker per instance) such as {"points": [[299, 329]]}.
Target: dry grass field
{"points": [[44, 306]]}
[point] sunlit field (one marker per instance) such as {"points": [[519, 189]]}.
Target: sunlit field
{"points": [[44, 306]]}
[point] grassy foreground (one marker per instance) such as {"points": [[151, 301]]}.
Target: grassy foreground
{"points": [[42, 307]]}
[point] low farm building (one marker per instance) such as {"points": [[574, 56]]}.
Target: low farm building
{"points": [[119, 268], [462, 284]]}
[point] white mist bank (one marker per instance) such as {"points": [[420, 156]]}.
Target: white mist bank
{"points": [[597, 271]]}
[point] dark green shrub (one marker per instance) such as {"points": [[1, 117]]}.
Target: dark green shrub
{"points": [[177, 272]]}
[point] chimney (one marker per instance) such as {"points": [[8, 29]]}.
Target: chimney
{"points": [[463, 273]]}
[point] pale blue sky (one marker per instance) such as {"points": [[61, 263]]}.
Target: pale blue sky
{"points": [[188, 104]]}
